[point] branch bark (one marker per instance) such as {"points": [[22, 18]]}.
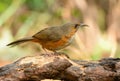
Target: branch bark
{"points": [[59, 67]]}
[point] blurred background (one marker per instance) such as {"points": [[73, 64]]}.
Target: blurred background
{"points": [[22, 18]]}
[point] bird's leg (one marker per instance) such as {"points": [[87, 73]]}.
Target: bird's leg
{"points": [[58, 53], [45, 50], [54, 52]]}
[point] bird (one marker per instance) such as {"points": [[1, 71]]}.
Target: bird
{"points": [[53, 38]]}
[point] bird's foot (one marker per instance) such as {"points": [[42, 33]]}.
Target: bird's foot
{"points": [[61, 54]]}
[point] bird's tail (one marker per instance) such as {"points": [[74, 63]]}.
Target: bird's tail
{"points": [[20, 41]]}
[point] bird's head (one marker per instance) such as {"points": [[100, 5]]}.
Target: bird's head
{"points": [[73, 26]]}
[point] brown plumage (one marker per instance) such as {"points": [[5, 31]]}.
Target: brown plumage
{"points": [[53, 38]]}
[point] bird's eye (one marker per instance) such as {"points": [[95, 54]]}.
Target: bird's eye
{"points": [[76, 25]]}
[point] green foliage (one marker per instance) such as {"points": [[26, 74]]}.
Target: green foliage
{"points": [[37, 5]]}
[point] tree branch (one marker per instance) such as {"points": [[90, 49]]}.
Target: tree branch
{"points": [[54, 66]]}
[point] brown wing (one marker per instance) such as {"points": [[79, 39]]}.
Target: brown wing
{"points": [[49, 34]]}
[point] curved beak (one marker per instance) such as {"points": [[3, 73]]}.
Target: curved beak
{"points": [[83, 25]]}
